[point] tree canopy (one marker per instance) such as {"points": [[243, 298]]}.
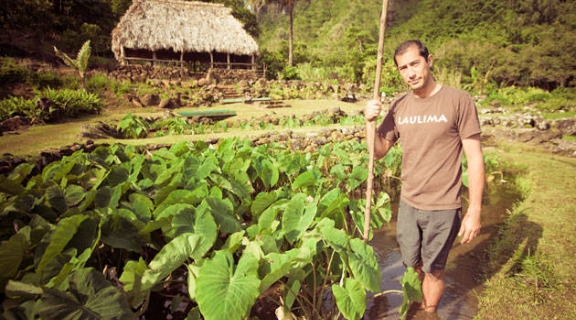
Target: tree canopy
{"points": [[484, 42]]}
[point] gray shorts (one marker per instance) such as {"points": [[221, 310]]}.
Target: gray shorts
{"points": [[425, 236]]}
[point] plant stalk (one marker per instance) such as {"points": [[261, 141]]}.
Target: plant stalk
{"points": [[371, 123]]}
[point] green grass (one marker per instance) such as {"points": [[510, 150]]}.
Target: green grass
{"points": [[38, 138], [532, 262], [559, 115]]}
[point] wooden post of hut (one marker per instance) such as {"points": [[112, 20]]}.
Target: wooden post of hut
{"points": [[123, 56], [182, 65], [211, 60], [228, 61]]}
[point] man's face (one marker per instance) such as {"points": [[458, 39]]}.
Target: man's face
{"points": [[414, 69]]}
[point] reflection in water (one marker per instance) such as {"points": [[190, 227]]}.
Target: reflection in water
{"points": [[463, 270]]}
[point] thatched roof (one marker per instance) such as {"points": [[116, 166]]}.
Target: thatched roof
{"points": [[181, 26]]}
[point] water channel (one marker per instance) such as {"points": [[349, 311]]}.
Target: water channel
{"points": [[464, 270]]}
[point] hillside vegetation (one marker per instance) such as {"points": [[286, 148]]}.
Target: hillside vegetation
{"points": [[479, 45], [476, 43]]}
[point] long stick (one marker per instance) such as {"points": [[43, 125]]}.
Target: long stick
{"points": [[371, 123]]}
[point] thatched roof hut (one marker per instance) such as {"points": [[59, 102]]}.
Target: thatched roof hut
{"points": [[168, 30]]}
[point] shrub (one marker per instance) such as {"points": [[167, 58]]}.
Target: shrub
{"points": [[518, 96], [289, 73], [47, 79], [17, 106], [73, 103], [120, 87], [12, 73], [97, 83]]}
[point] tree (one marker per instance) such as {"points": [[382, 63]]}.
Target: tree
{"points": [[288, 6], [80, 63]]}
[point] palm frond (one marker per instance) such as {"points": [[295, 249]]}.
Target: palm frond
{"points": [[67, 60], [83, 56]]}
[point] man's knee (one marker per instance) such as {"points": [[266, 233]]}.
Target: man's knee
{"points": [[437, 275]]}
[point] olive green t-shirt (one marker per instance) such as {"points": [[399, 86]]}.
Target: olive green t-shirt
{"points": [[430, 132]]}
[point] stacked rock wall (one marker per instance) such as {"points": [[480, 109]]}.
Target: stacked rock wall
{"points": [[142, 73]]}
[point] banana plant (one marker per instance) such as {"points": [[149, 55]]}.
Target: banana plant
{"points": [[80, 64]]}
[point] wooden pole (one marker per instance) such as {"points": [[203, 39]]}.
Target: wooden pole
{"points": [[371, 123]]}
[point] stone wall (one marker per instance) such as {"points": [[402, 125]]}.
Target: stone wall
{"points": [[142, 73]]}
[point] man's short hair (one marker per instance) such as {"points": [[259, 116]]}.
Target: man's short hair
{"points": [[403, 47]]}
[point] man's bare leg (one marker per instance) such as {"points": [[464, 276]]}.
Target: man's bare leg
{"points": [[432, 289]]}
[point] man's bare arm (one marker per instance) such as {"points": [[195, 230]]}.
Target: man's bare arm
{"points": [[471, 223]]}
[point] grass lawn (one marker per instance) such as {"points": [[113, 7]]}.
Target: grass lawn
{"points": [[40, 138], [532, 262]]}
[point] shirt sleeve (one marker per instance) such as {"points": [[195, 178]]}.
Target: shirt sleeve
{"points": [[387, 128], [468, 122]]}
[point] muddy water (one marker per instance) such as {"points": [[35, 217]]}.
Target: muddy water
{"points": [[464, 270]]}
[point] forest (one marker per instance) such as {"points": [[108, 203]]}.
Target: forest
{"points": [[478, 45]]}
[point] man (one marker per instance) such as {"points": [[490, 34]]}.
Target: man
{"points": [[433, 123]]}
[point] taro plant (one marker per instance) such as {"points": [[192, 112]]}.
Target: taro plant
{"points": [[204, 229], [172, 125], [133, 126]]}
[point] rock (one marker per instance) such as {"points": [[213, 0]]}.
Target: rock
{"points": [[150, 99], [168, 103], [14, 124], [137, 103], [567, 126], [535, 136]]}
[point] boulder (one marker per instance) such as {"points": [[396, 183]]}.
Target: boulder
{"points": [[567, 126], [13, 124], [150, 99]]}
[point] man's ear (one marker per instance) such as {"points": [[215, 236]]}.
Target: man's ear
{"points": [[430, 60]]}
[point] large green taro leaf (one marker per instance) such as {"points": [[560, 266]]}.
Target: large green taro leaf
{"points": [[12, 252], [12, 184], [225, 290], [131, 278], [187, 219], [277, 265], [121, 229], [336, 238], [350, 299], [306, 179], [262, 201], [297, 217], [107, 197], [90, 296], [171, 256], [237, 183], [59, 238], [267, 220], [412, 288], [364, 265], [357, 177], [223, 213], [333, 205], [267, 172]]}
